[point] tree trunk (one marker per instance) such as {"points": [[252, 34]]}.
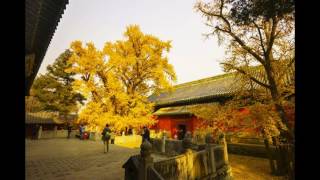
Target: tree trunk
{"points": [[281, 153], [275, 98]]}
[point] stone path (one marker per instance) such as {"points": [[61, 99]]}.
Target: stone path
{"points": [[74, 159], [63, 159]]}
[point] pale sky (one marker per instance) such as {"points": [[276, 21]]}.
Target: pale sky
{"points": [[99, 21]]}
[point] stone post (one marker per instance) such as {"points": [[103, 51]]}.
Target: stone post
{"points": [[146, 160], [225, 149], [163, 143], [187, 144], [227, 174], [222, 141], [190, 171], [210, 149], [187, 141], [39, 132]]}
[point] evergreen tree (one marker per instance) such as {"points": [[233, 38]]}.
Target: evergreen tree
{"points": [[54, 89]]}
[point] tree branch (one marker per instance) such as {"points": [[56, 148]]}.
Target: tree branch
{"points": [[242, 44], [222, 16], [272, 36], [245, 73], [261, 39]]}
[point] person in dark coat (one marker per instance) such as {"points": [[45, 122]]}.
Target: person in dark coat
{"points": [[106, 135], [130, 131], [35, 131], [69, 127], [81, 131], [146, 134]]}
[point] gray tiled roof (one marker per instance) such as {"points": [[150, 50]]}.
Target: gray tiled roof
{"points": [[41, 118], [210, 88], [213, 86], [178, 110]]}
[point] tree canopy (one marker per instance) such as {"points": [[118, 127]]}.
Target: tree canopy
{"points": [[117, 79]]}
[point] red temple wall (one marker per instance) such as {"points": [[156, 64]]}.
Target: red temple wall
{"points": [[164, 123], [171, 123]]}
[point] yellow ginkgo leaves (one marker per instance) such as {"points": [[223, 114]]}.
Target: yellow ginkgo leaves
{"points": [[118, 79]]}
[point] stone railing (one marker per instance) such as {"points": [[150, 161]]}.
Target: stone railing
{"points": [[244, 140], [210, 163], [254, 150], [132, 167], [173, 168], [169, 147], [153, 174]]}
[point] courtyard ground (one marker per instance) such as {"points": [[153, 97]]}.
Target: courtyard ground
{"points": [[246, 167], [74, 159], [71, 159]]}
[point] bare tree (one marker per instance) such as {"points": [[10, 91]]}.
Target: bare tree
{"points": [[257, 33]]}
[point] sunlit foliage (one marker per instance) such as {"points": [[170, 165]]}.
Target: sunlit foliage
{"points": [[118, 79], [257, 120]]}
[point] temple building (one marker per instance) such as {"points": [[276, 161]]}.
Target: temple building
{"points": [[43, 121], [172, 109]]}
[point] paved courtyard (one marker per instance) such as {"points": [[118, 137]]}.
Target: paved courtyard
{"points": [[74, 159]]}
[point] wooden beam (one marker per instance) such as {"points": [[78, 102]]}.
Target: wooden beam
{"points": [[29, 64]]}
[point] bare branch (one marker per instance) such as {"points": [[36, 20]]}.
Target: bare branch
{"points": [[260, 36], [272, 36], [222, 16], [245, 73], [206, 12], [245, 47]]}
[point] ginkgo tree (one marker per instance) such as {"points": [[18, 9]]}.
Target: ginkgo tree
{"points": [[117, 79]]}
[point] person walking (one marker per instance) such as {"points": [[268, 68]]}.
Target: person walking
{"points": [[106, 135], [81, 131], [69, 130]]}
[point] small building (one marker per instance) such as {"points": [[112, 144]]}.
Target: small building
{"points": [[172, 108], [45, 121]]}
